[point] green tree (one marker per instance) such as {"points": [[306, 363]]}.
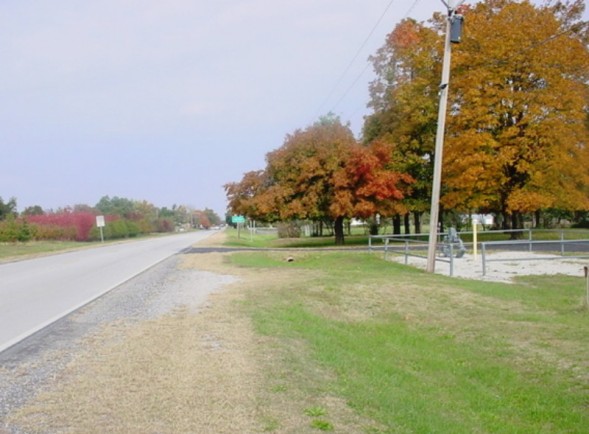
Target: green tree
{"points": [[116, 206], [8, 209], [33, 210]]}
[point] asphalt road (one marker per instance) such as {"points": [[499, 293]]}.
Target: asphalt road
{"points": [[36, 292]]}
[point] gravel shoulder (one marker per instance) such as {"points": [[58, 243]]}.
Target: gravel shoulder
{"points": [[46, 361], [171, 351]]}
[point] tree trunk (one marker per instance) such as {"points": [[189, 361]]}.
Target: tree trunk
{"points": [[517, 222], [537, 218], [417, 221], [339, 231], [407, 223], [397, 224]]}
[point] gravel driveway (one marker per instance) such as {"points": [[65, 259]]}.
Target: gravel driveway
{"points": [[37, 361]]}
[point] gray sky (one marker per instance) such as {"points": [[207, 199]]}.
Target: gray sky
{"points": [[166, 101]]}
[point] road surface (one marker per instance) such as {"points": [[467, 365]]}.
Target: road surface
{"points": [[37, 292]]}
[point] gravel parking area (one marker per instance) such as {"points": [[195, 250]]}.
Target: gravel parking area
{"points": [[504, 266], [33, 364]]}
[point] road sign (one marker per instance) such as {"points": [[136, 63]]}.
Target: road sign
{"points": [[237, 219], [100, 223]]}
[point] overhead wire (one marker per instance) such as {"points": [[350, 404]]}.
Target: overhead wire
{"points": [[339, 80], [411, 8], [359, 76]]}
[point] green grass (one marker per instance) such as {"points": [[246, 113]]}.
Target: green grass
{"points": [[245, 239], [18, 250], [416, 352], [359, 238]]}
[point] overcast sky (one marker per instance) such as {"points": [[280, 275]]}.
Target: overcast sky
{"points": [[166, 101]]}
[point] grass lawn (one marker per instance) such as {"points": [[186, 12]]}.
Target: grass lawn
{"points": [[339, 341], [414, 352], [10, 251]]}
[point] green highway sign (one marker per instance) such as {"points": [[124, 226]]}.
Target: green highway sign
{"points": [[237, 219]]}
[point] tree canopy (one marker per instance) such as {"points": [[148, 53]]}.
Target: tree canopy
{"points": [[320, 172], [517, 134], [517, 125]]}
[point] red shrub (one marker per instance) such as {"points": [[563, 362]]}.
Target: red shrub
{"points": [[75, 225]]}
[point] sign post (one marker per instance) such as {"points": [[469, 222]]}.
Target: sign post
{"points": [[100, 224], [238, 220]]}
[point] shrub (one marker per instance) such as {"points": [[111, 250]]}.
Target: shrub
{"points": [[76, 225], [289, 230], [13, 230]]}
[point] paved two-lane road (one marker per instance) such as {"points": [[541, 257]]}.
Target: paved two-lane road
{"points": [[37, 292]]}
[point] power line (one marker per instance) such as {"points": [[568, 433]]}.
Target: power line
{"points": [[354, 58], [347, 91], [575, 28]]}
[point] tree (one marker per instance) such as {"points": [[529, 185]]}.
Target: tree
{"points": [[8, 209], [212, 216], [366, 185], [301, 173], [320, 173], [250, 197], [116, 206], [518, 133], [404, 98], [33, 210], [201, 219]]}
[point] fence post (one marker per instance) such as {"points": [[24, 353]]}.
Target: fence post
{"points": [[451, 260], [406, 252], [530, 239], [587, 284], [483, 255]]}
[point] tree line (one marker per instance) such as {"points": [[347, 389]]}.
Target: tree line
{"points": [[516, 129], [124, 218]]}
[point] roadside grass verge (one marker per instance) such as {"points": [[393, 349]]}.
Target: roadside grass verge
{"points": [[414, 352], [22, 250], [32, 248], [245, 239]]}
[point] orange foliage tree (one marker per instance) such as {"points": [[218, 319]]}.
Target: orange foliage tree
{"points": [[319, 173], [517, 125], [517, 139]]}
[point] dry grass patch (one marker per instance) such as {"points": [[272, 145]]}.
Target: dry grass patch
{"points": [[190, 372], [183, 372]]}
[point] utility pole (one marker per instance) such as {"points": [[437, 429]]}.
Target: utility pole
{"points": [[453, 33]]}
